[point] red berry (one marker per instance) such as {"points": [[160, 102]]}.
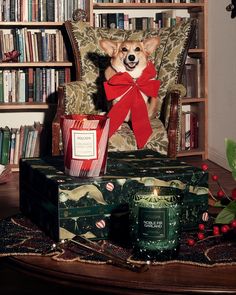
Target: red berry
{"points": [[216, 230], [201, 226], [224, 228], [233, 223], [215, 177], [220, 194], [204, 167], [190, 242], [200, 236], [233, 195]]}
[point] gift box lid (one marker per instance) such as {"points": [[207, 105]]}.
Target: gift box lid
{"points": [[141, 164]]}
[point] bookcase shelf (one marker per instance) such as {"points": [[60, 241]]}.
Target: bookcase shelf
{"points": [[193, 152], [24, 106], [196, 103], [148, 5], [31, 24], [36, 64], [37, 69], [189, 100]]}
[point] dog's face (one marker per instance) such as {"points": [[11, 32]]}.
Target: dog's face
{"points": [[130, 56]]}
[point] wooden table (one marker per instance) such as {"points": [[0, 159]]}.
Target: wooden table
{"points": [[107, 279], [42, 275]]}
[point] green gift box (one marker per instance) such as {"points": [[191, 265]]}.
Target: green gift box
{"points": [[64, 206]]}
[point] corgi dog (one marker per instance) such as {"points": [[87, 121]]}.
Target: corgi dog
{"points": [[131, 57]]}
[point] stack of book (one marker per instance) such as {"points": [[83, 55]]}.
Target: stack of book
{"points": [[16, 143], [31, 84], [124, 21], [39, 10], [33, 45]]}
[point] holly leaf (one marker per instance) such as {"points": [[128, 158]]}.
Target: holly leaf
{"points": [[218, 204], [234, 174], [227, 214], [231, 155]]}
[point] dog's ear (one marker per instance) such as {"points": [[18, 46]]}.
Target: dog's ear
{"points": [[151, 44], [109, 46]]}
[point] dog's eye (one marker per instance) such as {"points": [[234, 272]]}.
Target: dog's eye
{"points": [[137, 49], [124, 49]]}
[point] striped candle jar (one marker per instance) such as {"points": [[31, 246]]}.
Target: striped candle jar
{"points": [[85, 142]]}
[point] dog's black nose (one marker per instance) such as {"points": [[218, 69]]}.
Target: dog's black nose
{"points": [[131, 57]]}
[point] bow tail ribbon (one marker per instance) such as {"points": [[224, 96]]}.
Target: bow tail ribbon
{"points": [[140, 121], [139, 116], [118, 113]]}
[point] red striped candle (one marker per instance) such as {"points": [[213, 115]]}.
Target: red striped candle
{"points": [[85, 142]]}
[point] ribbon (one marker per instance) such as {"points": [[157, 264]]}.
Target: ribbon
{"points": [[122, 84]]}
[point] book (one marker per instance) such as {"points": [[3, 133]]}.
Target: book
{"points": [[21, 86], [17, 148], [192, 77], [120, 21], [182, 131], [111, 20], [36, 148], [186, 110], [5, 86], [30, 84], [1, 87], [193, 130], [187, 131], [30, 46], [5, 145], [13, 85], [25, 140], [22, 132], [28, 145], [1, 136], [12, 145], [50, 6]]}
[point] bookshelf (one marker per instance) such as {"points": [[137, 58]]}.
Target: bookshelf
{"points": [[20, 23], [197, 102]]}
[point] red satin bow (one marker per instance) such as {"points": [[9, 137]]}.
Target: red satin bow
{"points": [[132, 100]]}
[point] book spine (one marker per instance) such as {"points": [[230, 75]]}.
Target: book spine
{"points": [[17, 148], [12, 145], [30, 85], [1, 87], [5, 146]]}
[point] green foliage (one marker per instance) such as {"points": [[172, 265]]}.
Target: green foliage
{"points": [[231, 155], [227, 214]]}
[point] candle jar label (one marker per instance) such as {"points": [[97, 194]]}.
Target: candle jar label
{"points": [[84, 144], [153, 223]]}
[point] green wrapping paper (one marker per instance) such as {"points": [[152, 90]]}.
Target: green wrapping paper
{"points": [[64, 206]]}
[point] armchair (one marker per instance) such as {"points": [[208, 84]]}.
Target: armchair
{"points": [[85, 95]]}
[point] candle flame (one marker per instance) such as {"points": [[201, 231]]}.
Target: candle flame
{"points": [[155, 192]]}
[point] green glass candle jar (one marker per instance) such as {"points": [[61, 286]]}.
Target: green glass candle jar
{"points": [[155, 222]]}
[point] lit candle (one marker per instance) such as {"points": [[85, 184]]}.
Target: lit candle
{"points": [[155, 222]]}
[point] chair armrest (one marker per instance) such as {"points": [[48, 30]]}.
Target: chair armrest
{"points": [[56, 133], [171, 117]]}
